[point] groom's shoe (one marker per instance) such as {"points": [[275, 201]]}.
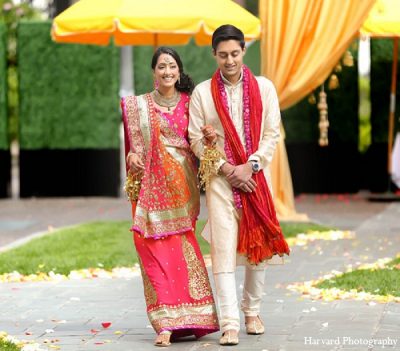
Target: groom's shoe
{"points": [[229, 338], [255, 326]]}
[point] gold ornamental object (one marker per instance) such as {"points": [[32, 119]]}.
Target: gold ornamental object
{"points": [[208, 165], [311, 99], [333, 82], [132, 186], [338, 68], [323, 119], [348, 59]]}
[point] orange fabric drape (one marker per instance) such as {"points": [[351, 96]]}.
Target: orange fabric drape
{"points": [[301, 42]]}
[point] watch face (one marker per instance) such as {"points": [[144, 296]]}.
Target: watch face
{"points": [[255, 166]]}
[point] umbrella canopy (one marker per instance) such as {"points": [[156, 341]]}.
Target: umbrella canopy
{"points": [[150, 22], [383, 20]]}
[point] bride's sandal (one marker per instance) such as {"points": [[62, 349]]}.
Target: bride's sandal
{"points": [[163, 339]]}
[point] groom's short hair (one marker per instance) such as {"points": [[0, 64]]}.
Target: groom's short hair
{"points": [[227, 32]]}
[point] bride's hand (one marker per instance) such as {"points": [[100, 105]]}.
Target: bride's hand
{"points": [[134, 162], [210, 136]]}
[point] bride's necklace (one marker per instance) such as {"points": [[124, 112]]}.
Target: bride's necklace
{"points": [[160, 100]]}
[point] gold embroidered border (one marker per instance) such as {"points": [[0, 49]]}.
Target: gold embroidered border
{"points": [[199, 285], [170, 136], [144, 107], [136, 138], [169, 317], [172, 226], [161, 215], [149, 291]]}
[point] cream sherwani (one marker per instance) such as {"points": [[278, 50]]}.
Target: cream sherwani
{"points": [[223, 216]]}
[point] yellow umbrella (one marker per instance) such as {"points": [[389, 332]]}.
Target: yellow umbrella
{"points": [[150, 22], [384, 22]]}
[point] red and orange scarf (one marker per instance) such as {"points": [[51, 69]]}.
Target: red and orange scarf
{"points": [[260, 235]]}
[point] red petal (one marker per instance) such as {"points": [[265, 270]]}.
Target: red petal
{"points": [[106, 324]]}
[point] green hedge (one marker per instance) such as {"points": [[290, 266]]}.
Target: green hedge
{"points": [[301, 120], [198, 62], [68, 93], [381, 78], [3, 89]]}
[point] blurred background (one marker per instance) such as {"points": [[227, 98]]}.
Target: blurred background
{"points": [[60, 124]]}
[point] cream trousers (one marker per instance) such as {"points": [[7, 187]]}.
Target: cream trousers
{"points": [[253, 287]]}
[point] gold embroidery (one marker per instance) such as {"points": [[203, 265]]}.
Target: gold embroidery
{"points": [[136, 138], [159, 212], [202, 316], [170, 136], [149, 292], [199, 285], [208, 165]]}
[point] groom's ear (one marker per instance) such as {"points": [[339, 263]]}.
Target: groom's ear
{"points": [[214, 52]]}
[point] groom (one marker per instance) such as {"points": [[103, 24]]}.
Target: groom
{"points": [[239, 115]]}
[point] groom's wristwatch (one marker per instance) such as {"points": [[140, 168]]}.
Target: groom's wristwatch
{"points": [[255, 166]]}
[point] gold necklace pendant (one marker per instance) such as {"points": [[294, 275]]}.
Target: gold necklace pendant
{"points": [[162, 101]]}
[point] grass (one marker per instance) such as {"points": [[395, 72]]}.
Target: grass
{"points": [[105, 244], [8, 346], [291, 229], [379, 281]]}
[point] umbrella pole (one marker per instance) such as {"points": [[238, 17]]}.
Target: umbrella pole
{"points": [[392, 108]]}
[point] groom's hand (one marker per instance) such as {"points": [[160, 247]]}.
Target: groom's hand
{"points": [[239, 176]]}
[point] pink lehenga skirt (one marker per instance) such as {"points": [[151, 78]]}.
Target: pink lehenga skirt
{"points": [[176, 285]]}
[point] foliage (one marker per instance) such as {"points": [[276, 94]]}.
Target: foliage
{"points": [[252, 6], [3, 90], [10, 14], [365, 114], [69, 92], [381, 77]]}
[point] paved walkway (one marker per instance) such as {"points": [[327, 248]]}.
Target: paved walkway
{"points": [[34, 308]]}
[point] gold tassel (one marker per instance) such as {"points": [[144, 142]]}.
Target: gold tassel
{"points": [[132, 186], [323, 119], [311, 99], [348, 59], [208, 165], [338, 68], [333, 82]]}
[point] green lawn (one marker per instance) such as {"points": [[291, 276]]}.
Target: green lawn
{"points": [[291, 229], [379, 281], [104, 244]]}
